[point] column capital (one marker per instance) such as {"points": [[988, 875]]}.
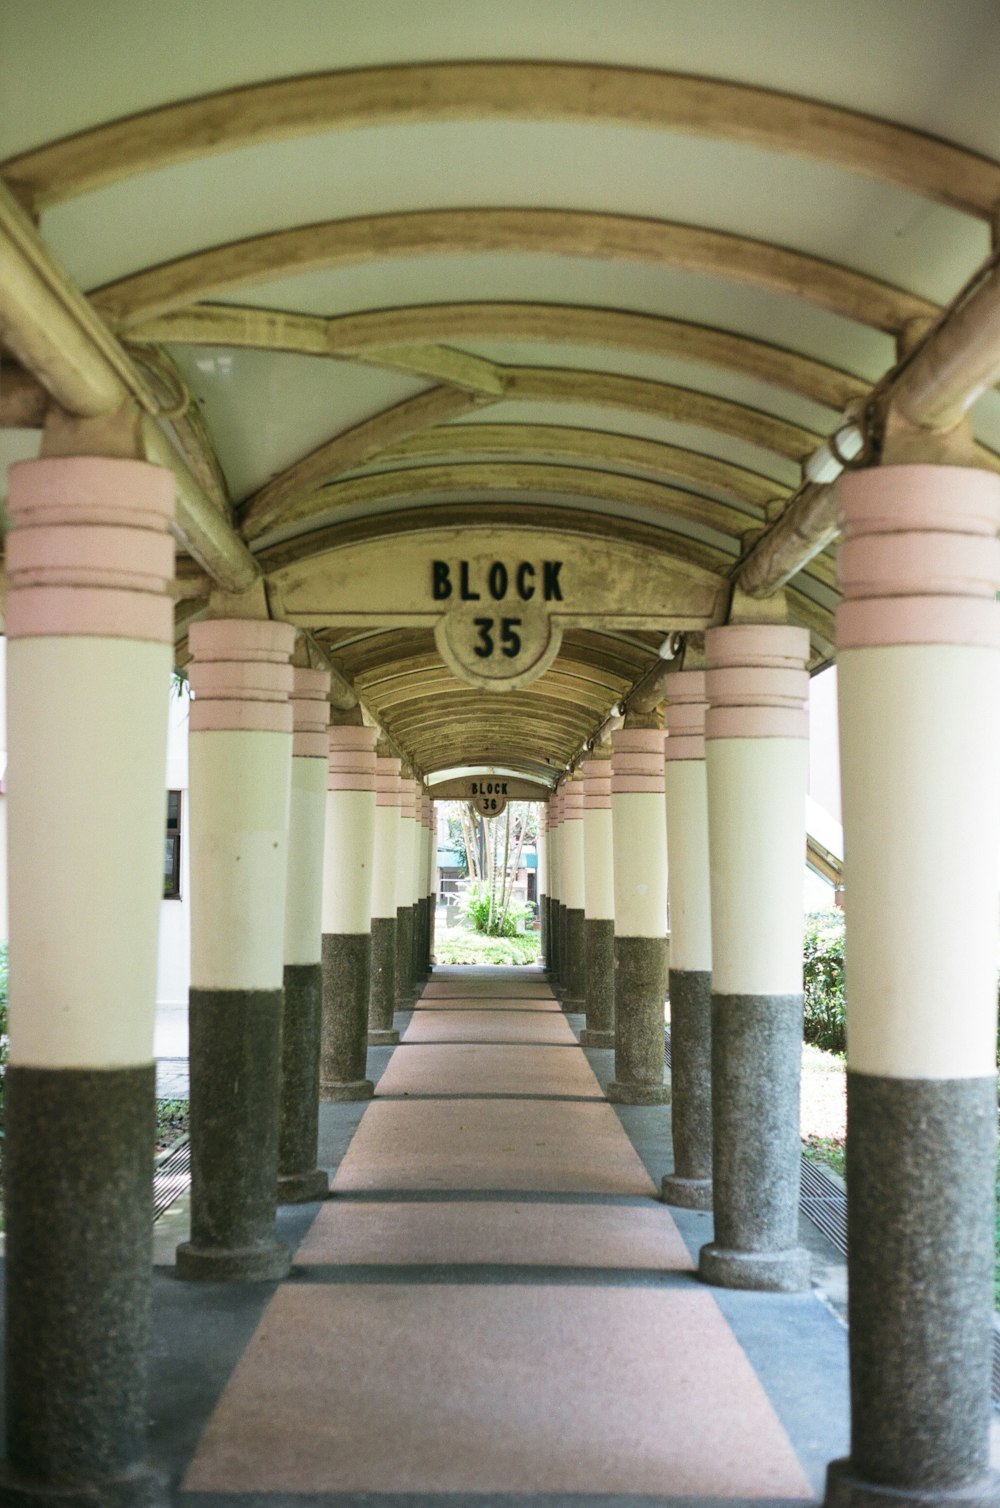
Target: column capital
{"points": [[572, 799], [597, 785], [241, 676], [687, 705], [310, 710], [89, 553], [637, 761], [386, 780], [920, 560], [757, 681], [352, 758]]}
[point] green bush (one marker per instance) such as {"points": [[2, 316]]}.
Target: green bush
{"points": [[825, 1022], [477, 911]]}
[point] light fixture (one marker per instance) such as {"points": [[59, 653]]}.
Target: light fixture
{"points": [[830, 458]]}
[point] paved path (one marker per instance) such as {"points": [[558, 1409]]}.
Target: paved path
{"points": [[493, 1305]]}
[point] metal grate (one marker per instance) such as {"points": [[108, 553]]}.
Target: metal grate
{"points": [[171, 1177]]}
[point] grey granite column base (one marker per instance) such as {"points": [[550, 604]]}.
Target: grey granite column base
{"points": [[640, 992], [351, 1089], [79, 1174], [575, 974], [383, 1039], [599, 949], [139, 1488], [590, 1038], [920, 1211], [637, 1094], [268, 1262], [756, 1152], [406, 991], [759, 1271], [691, 1085], [235, 1047], [844, 1490], [686, 1193], [303, 1188], [298, 1131], [382, 975], [346, 992]]}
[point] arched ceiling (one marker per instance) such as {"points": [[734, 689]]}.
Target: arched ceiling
{"points": [[611, 267]]}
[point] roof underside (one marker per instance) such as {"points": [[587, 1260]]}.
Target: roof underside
{"points": [[610, 262]]}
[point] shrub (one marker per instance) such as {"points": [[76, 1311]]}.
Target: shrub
{"points": [[825, 1023], [469, 947], [477, 910]]}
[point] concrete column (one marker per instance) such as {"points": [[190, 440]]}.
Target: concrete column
{"points": [[542, 881], [419, 888], [347, 914], [240, 752], [918, 635], [90, 625], [640, 881], [299, 1178], [405, 993], [575, 970], [432, 890], [555, 910], [690, 1184], [382, 997], [599, 904], [757, 759]]}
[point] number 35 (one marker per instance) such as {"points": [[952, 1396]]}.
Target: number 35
{"points": [[510, 639]]}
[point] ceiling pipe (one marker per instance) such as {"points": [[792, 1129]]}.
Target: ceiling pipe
{"points": [[48, 324]]}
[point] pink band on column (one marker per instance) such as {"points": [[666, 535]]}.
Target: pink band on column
{"points": [[637, 761], [352, 758], [920, 563], [407, 797], [756, 681], [387, 780], [597, 785], [89, 551], [240, 675], [310, 713], [687, 704], [573, 800]]}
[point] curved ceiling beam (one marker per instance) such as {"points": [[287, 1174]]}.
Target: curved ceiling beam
{"points": [[608, 450], [566, 233], [366, 337], [427, 92], [298, 493], [527, 477]]}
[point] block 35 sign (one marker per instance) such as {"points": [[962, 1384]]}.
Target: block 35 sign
{"points": [[499, 599], [497, 629]]}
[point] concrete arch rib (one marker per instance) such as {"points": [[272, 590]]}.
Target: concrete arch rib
{"points": [[367, 336], [425, 92], [441, 232]]}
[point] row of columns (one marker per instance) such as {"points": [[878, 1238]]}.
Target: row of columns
{"points": [[918, 634]]}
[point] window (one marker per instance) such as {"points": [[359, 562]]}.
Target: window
{"points": [[172, 849]]}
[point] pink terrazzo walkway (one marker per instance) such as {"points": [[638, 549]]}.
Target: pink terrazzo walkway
{"points": [[493, 1300]]}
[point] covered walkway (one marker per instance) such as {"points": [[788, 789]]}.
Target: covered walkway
{"points": [[494, 1302]]}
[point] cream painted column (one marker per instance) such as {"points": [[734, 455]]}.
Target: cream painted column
{"points": [[640, 879], [299, 1178], [599, 903], [90, 623], [419, 887], [690, 1183], [918, 655], [756, 743], [432, 878], [347, 914], [575, 968], [382, 996], [240, 752], [404, 893]]}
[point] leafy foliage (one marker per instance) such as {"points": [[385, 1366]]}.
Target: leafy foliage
{"points": [[823, 981], [458, 947], [477, 910]]}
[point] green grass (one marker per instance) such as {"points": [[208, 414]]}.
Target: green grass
{"points": [[171, 1122], [460, 946]]}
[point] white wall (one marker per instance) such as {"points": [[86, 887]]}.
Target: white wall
{"points": [[173, 974]]}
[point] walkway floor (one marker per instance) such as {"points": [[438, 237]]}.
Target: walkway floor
{"points": [[493, 1308]]}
